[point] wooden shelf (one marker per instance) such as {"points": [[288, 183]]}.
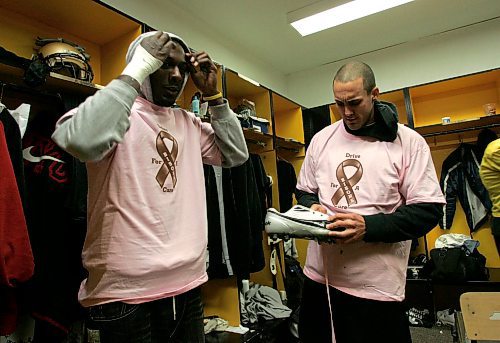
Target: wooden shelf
{"points": [[103, 33], [86, 19], [59, 81], [238, 87], [289, 144], [439, 88], [10, 74], [260, 141], [447, 136], [280, 103], [55, 82], [288, 121], [256, 135], [461, 98], [473, 124]]}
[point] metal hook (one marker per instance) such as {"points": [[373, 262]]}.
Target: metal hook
{"points": [[460, 139], [257, 142]]}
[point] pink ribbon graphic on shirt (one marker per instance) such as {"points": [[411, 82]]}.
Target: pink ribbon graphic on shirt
{"points": [[168, 157], [346, 185]]}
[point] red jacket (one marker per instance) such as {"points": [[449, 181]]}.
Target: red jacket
{"points": [[16, 257]]}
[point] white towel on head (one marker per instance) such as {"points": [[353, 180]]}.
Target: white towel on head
{"points": [[146, 85]]}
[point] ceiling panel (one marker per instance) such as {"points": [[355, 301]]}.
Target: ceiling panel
{"points": [[260, 27]]}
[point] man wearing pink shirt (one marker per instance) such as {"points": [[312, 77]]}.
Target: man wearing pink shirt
{"points": [[145, 247], [376, 180]]}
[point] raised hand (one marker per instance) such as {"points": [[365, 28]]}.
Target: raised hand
{"points": [[203, 72], [148, 57], [158, 45]]}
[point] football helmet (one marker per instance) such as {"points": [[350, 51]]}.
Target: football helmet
{"points": [[65, 58]]}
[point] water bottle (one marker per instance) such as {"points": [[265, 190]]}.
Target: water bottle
{"points": [[195, 104]]}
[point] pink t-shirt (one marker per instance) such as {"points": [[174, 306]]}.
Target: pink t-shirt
{"points": [[147, 230], [366, 176]]}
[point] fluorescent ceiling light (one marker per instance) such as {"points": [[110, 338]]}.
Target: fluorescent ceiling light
{"points": [[338, 15]]}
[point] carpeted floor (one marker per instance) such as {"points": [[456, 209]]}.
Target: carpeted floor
{"points": [[437, 334]]}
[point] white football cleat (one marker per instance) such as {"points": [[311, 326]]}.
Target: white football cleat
{"points": [[297, 222]]}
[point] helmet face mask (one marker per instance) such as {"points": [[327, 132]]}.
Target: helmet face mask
{"points": [[65, 58]]}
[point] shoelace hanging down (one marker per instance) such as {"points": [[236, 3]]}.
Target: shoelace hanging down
{"points": [[325, 266]]}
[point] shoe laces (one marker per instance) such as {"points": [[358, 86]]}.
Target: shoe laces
{"points": [[418, 314]]}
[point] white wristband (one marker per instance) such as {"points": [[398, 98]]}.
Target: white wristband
{"points": [[142, 65]]}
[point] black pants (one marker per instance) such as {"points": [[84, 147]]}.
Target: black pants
{"points": [[151, 322], [355, 320]]}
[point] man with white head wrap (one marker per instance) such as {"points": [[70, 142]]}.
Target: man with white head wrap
{"points": [[147, 229]]}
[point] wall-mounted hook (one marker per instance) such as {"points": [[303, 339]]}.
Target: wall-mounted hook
{"points": [[257, 142], [460, 139]]}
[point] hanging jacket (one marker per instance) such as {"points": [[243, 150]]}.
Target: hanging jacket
{"points": [[16, 258], [243, 217], [460, 179]]}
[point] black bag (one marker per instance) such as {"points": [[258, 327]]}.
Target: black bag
{"points": [[294, 282], [457, 264]]}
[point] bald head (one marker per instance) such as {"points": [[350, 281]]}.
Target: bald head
{"points": [[355, 70]]}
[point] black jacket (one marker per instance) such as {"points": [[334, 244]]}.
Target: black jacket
{"points": [[460, 179], [244, 212]]}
